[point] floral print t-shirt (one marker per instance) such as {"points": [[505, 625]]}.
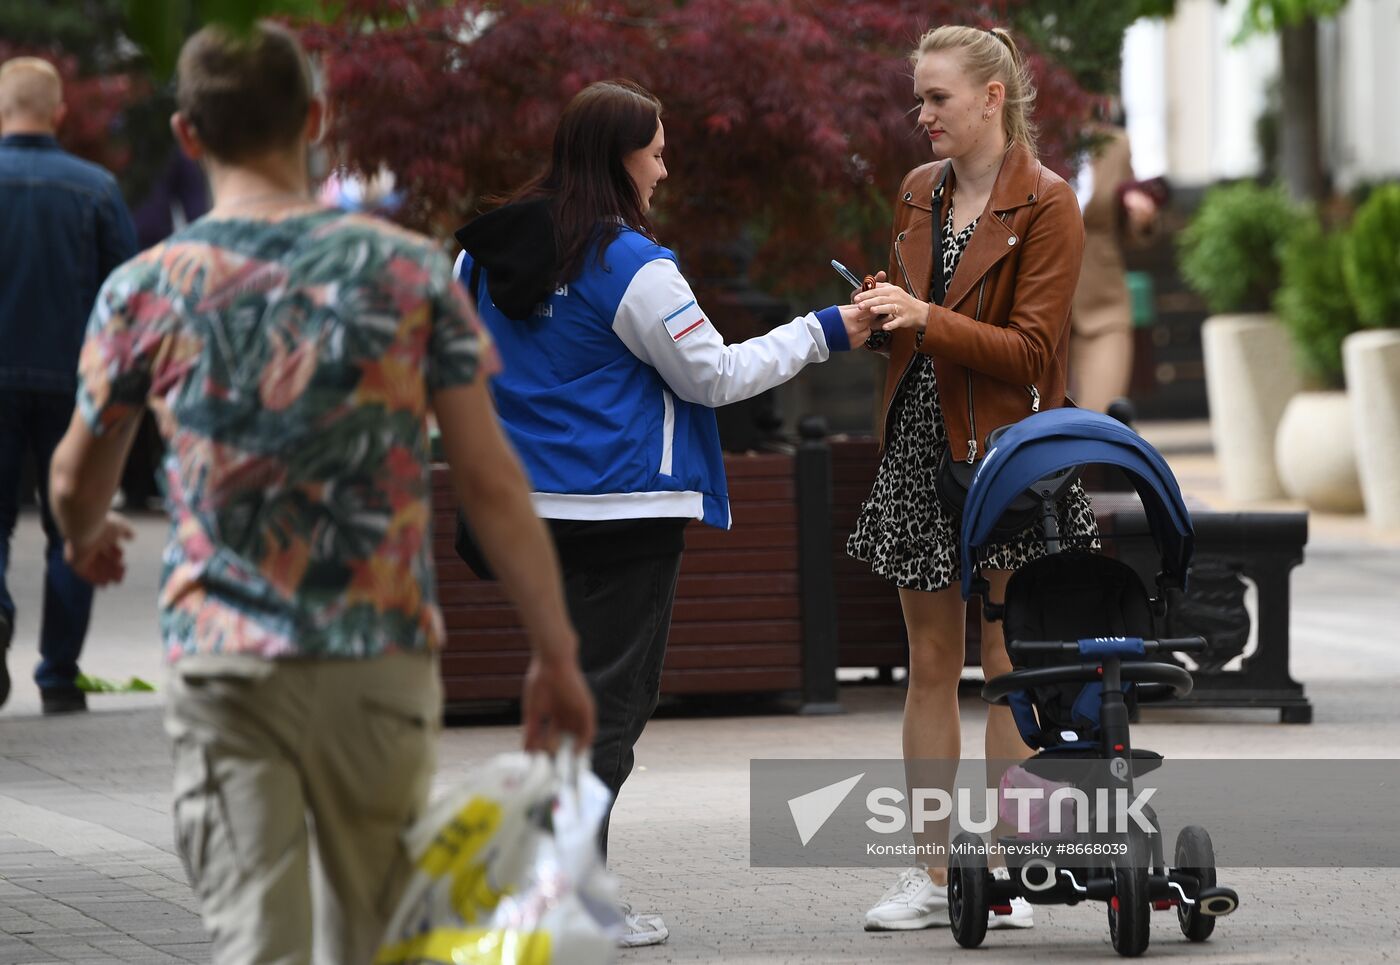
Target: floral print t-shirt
{"points": [[290, 363]]}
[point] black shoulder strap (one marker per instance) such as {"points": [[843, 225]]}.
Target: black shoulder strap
{"points": [[938, 287]]}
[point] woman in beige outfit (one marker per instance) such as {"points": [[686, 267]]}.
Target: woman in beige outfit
{"points": [[1117, 209]]}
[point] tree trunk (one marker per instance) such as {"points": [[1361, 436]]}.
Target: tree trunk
{"points": [[1300, 128]]}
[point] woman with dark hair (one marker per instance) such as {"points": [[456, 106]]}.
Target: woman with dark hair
{"points": [[611, 374]]}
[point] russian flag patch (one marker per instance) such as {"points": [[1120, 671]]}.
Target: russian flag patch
{"points": [[684, 320]]}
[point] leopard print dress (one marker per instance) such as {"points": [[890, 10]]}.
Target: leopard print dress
{"points": [[904, 531]]}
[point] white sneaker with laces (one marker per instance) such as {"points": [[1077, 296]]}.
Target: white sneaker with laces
{"points": [[914, 902], [638, 930], [1022, 915]]}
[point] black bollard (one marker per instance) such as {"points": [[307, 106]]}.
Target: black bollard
{"points": [[817, 587]]}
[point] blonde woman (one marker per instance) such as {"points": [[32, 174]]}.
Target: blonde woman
{"points": [[978, 340]]}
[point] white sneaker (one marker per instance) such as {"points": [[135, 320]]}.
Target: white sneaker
{"points": [[1022, 915], [914, 902], [638, 930]]}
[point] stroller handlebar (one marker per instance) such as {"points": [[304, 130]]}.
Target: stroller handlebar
{"points": [[1167, 676], [1164, 645]]}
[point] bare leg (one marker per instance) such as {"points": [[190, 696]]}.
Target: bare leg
{"points": [[932, 739], [1002, 745], [1100, 367], [1003, 741]]}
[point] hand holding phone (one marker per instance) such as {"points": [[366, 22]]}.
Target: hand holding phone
{"points": [[877, 339]]}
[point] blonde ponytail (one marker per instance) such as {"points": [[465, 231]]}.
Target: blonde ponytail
{"points": [[990, 55]]}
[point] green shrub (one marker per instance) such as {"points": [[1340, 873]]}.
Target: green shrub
{"points": [[1230, 250], [1371, 258], [1313, 302]]}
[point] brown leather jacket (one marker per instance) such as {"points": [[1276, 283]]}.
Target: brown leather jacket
{"points": [[1001, 338]]}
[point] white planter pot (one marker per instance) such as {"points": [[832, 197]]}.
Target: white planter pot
{"points": [[1372, 362], [1316, 453], [1250, 376]]}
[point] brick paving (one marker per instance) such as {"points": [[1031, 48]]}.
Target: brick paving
{"points": [[88, 871]]}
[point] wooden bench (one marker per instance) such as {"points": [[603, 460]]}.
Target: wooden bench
{"points": [[736, 626], [774, 604], [869, 624]]}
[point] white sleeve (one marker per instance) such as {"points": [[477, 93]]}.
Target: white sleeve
{"points": [[661, 323]]}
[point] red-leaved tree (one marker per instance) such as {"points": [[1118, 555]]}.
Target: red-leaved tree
{"points": [[787, 121]]}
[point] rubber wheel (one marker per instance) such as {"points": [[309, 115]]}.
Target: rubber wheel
{"points": [[967, 891], [1130, 911], [1195, 855]]}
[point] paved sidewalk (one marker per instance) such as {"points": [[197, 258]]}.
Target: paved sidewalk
{"points": [[88, 872]]}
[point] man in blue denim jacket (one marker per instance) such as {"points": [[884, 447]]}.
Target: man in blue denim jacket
{"points": [[63, 227]]}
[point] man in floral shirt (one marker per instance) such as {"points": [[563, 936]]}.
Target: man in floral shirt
{"points": [[292, 355]]}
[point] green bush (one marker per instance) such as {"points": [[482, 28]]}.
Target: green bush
{"points": [[1230, 250], [1371, 258], [1313, 302]]}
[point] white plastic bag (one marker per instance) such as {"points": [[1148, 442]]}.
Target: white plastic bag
{"points": [[508, 872]]}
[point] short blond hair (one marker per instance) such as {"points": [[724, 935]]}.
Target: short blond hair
{"points": [[29, 87], [990, 55]]}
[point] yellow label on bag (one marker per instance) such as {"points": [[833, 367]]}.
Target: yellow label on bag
{"points": [[475, 946], [455, 853]]}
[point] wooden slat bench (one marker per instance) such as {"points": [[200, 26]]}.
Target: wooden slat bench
{"points": [[737, 626], [775, 604]]}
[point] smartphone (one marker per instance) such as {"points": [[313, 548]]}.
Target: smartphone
{"points": [[876, 340], [845, 273]]}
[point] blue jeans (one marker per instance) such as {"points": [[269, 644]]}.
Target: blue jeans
{"points": [[33, 423]]}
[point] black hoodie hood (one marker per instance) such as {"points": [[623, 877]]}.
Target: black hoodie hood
{"points": [[515, 246]]}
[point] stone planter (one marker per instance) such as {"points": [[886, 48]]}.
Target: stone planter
{"points": [[1372, 361], [1250, 376], [1316, 453]]}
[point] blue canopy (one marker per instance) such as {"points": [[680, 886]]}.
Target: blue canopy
{"points": [[1056, 439]]}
